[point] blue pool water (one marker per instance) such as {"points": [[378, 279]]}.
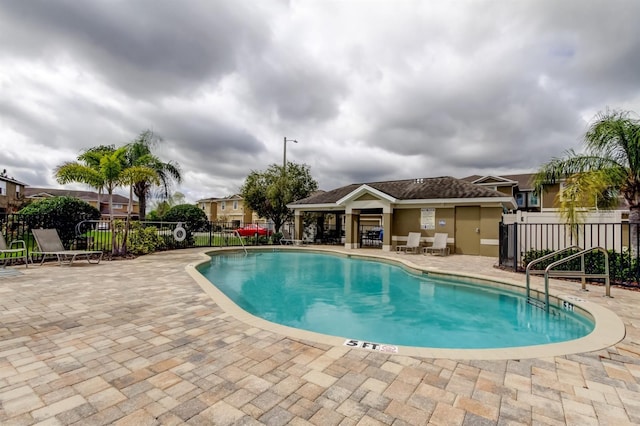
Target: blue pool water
{"points": [[380, 302]]}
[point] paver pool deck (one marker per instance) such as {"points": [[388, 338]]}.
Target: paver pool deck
{"points": [[138, 342]]}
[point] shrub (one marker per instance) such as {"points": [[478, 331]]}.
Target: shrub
{"points": [[622, 266], [61, 213], [192, 218], [276, 237], [144, 240], [153, 216]]}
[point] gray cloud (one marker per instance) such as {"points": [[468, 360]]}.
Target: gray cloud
{"points": [[373, 91], [144, 47], [294, 88]]}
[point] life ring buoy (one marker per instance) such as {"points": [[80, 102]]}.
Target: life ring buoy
{"points": [[179, 234]]}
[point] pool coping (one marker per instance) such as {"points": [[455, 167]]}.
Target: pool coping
{"points": [[609, 328]]}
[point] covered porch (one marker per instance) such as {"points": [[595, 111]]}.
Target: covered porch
{"points": [[382, 214]]}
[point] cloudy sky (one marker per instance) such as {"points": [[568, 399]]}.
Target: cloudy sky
{"points": [[372, 90]]}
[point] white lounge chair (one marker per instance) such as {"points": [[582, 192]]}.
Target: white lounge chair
{"points": [[288, 240], [17, 249], [413, 243], [49, 244], [439, 245]]}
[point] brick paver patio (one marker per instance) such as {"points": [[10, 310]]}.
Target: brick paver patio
{"points": [[137, 342]]}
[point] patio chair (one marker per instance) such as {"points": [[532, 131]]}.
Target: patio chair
{"points": [[439, 245], [413, 243], [287, 239], [10, 253], [49, 244]]}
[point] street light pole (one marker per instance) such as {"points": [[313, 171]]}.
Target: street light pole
{"points": [[284, 156], [284, 168]]}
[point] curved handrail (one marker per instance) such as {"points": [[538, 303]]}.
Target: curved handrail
{"points": [[540, 259], [583, 275], [241, 240]]}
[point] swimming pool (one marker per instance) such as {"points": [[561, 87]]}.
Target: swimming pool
{"points": [[365, 300]]}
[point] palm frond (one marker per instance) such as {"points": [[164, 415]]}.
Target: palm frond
{"points": [[562, 168], [75, 172], [134, 174], [615, 134]]}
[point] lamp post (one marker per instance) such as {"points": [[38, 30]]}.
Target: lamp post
{"points": [[284, 169], [284, 156]]}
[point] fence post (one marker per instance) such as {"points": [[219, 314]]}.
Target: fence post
{"points": [[516, 251]]}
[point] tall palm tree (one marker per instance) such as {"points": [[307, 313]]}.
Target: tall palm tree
{"points": [[140, 154], [609, 167]]}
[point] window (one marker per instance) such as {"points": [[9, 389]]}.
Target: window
{"points": [[534, 201], [223, 205], [117, 206], [562, 188], [520, 199], [3, 187], [235, 205]]}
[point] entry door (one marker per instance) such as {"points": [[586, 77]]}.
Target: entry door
{"points": [[468, 230]]}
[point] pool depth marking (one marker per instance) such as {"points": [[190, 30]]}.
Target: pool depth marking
{"points": [[354, 343]]}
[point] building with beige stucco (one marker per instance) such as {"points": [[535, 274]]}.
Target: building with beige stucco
{"points": [[467, 212]]}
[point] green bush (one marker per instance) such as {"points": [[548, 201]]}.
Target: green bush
{"points": [[276, 237], [153, 215], [622, 266], [61, 213], [144, 240], [192, 218]]}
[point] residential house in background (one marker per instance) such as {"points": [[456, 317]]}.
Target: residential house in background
{"points": [[120, 203], [11, 194], [519, 186], [229, 209]]}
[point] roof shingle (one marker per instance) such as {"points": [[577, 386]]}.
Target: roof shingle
{"points": [[445, 187]]}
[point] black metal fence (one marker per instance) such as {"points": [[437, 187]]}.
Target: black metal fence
{"points": [[519, 243], [140, 237], [119, 237]]}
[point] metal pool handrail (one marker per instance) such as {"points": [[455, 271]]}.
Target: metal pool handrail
{"points": [[578, 274], [569, 274], [529, 271], [241, 240]]}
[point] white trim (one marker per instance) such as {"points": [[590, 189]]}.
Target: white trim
{"points": [[368, 204], [8, 179], [363, 189], [500, 179], [327, 206]]}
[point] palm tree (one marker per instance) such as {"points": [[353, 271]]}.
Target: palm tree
{"points": [[105, 168], [139, 154], [91, 158], [131, 175], [102, 169], [609, 167]]}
